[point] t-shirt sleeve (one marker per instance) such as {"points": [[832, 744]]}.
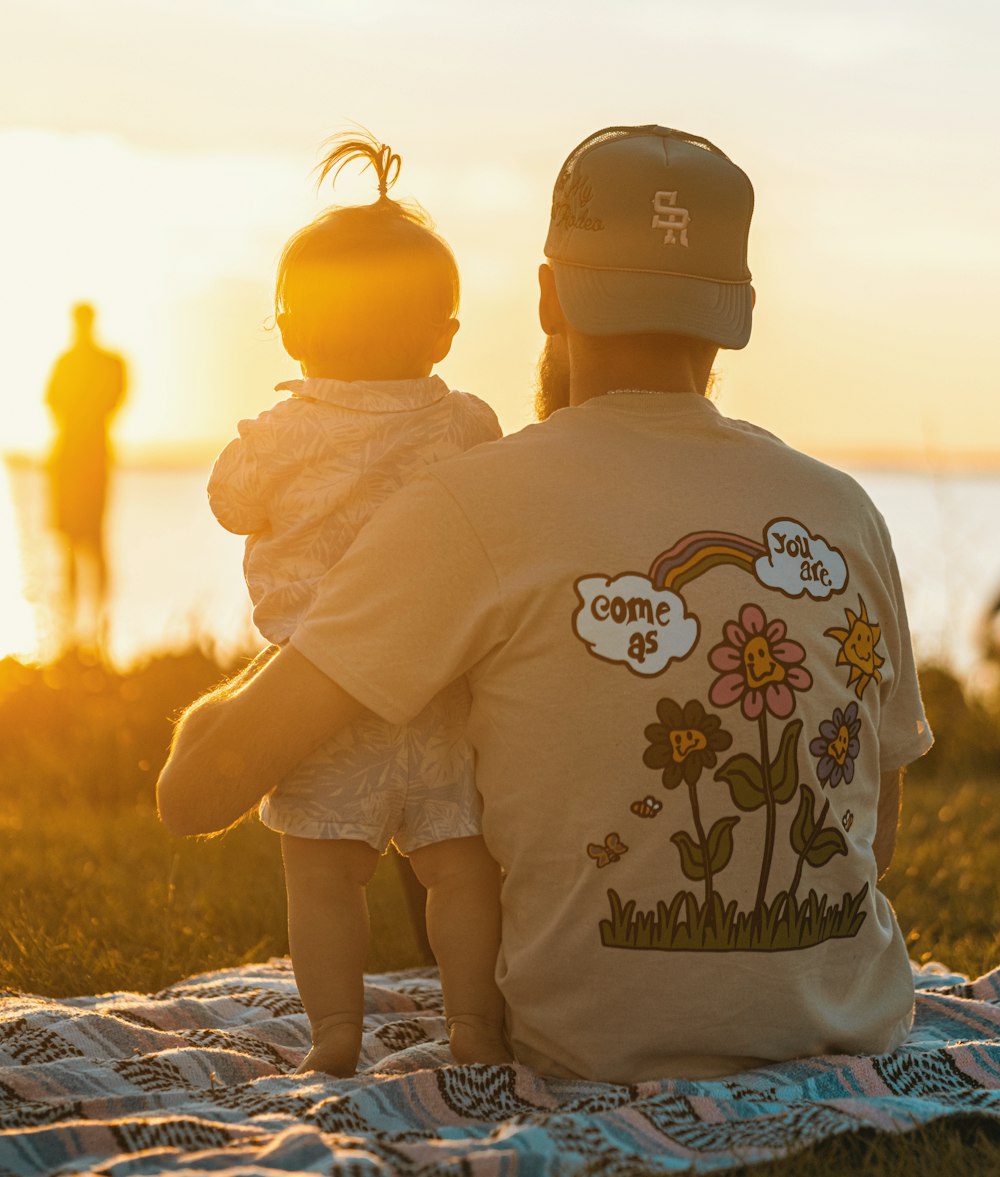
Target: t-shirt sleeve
{"points": [[414, 604], [904, 733]]}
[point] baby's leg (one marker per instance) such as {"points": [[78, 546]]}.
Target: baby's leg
{"points": [[463, 926], [328, 936]]}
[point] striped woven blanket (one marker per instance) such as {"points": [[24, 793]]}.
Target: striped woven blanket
{"points": [[198, 1079]]}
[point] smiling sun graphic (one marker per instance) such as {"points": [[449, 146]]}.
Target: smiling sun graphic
{"points": [[857, 648]]}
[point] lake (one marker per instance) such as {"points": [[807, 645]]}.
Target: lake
{"points": [[177, 576]]}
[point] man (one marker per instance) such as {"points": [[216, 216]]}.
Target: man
{"points": [[85, 391], [693, 689]]}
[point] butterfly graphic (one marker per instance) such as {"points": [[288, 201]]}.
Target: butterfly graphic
{"points": [[847, 820], [611, 851], [647, 807]]}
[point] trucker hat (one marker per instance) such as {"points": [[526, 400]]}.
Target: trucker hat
{"points": [[648, 234]]}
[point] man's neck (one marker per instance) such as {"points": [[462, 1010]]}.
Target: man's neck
{"points": [[640, 362]]}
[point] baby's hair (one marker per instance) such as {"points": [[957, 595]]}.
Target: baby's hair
{"points": [[366, 284], [376, 155]]}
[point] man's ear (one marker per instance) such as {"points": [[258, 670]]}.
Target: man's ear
{"points": [[550, 312], [442, 345]]}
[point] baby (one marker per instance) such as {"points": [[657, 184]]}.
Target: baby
{"points": [[365, 301]]}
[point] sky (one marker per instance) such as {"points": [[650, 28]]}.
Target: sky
{"points": [[156, 154]]}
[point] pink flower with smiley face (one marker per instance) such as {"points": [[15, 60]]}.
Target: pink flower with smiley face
{"points": [[760, 667]]}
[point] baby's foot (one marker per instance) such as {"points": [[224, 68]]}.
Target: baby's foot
{"points": [[336, 1046], [475, 1039]]}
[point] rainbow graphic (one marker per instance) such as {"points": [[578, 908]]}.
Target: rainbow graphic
{"points": [[695, 554]]}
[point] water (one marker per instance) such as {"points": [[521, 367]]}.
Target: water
{"points": [[177, 576], [947, 543]]}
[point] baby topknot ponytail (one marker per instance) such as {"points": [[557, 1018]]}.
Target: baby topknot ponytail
{"points": [[381, 158]]}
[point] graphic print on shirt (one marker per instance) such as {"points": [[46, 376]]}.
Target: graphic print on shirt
{"points": [[647, 807], [611, 851], [857, 648], [779, 797], [643, 622]]}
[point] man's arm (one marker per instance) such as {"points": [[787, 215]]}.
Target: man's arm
{"points": [[890, 799], [232, 747]]}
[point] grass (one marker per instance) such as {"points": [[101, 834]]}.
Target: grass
{"points": [[95, 896], [94, 903], [945, 878]]}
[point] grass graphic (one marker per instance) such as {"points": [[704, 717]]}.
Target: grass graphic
{"points": [[684, 925]]}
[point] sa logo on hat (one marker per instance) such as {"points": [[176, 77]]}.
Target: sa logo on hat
{"points": [[666, 215]]}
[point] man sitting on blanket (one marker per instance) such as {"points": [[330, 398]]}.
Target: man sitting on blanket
{"points": [[693, 691]]}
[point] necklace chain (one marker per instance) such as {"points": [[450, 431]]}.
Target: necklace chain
{"points": [[639, 392]]}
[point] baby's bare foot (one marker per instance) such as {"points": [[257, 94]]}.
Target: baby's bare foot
{"points": [[336, 1047], [476, 1040]]}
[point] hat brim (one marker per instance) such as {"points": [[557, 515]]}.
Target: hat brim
{"points": [[619, 302]]}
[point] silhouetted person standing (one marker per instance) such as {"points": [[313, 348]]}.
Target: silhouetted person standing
{"points": [[85, 390]]}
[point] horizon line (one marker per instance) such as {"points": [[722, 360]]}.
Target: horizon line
{"points": [[202, 453]]}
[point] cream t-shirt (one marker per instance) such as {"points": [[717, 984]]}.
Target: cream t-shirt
{"points": [[689, 662]]}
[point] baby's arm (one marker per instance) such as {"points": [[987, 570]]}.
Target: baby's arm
{"points": [[235, 493]]}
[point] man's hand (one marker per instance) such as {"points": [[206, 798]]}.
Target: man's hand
{"points": [[235, 745]]}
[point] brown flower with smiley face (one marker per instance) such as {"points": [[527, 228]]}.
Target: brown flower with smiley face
{"points": [[685, 741]]}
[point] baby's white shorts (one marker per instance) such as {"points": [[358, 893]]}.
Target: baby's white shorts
{"points": [[377, 782]]}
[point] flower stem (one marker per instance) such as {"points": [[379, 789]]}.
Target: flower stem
{"points": [[765, 867], [817, 828], [709, 911]]}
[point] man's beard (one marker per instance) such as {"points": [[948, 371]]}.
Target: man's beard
{"points": [[551, 378]]}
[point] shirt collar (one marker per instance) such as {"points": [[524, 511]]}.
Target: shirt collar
{"points": [[369, 396], [667, 404]]}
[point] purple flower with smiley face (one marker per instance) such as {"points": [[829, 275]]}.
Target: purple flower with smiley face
{"points": [[837, 746]]}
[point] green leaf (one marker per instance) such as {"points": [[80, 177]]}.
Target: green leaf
{"points": [[827, 843], [720, 842], [745, 780], [804, 821], [785, 768], [692, 859]]}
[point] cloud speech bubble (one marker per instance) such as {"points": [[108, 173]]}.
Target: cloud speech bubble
{"points": [[626, 620], [798, 562]]}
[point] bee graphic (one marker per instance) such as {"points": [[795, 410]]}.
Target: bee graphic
{"points": [[647, 807], [847, 820], [611, 851]]}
